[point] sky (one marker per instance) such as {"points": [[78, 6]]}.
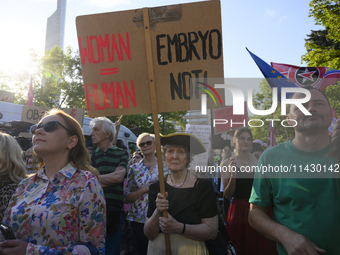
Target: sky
{"points": [[273, 30]]}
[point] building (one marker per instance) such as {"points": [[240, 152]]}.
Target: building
{"points": [[55, 29]]}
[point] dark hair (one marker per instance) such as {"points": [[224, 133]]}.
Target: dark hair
{"points": [[308, 88], [139, 153], [238, 132], [257, 147]]}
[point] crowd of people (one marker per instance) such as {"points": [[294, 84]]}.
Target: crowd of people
{"points": [[86, 197]]}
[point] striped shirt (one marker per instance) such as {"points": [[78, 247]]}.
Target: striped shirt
{"points": [[106, 162]]}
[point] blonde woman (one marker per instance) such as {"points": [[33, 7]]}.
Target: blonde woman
{"points": [[12, 169], [60, 209]]}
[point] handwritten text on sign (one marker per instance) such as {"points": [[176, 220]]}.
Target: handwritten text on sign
{"points": [[114, 64]]}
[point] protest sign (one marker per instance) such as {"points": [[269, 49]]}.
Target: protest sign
{"points": [[186, 42], [33, 114], [6, 96], [225, 121]]}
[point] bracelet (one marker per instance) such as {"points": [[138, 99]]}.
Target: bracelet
{"points": [[183, 230]]}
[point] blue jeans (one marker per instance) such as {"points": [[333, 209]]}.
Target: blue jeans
{"points": [[112, 244]]}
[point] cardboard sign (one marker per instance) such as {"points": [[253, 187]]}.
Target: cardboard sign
{"points": [[186, 42], [202, 132], [6, 96], [226, 121], [33, 114]]}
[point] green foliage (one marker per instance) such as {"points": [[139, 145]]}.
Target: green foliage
{"points": [[323, 46], [262, 101], [144, 122], [61, 80], [58, 82]]}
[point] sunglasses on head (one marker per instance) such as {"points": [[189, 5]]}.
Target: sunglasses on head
{"points": [[48, 127], [148, 143]]}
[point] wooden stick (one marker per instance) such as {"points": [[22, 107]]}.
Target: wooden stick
{"points": [[155, 114]]}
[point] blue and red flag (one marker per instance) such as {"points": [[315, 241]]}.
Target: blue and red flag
{"points": [[331, 127], [274, 78], [317, 77]]}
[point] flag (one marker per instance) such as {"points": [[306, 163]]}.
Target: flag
{"points": [[317, 77], [273, 76], [331, 127], [30, 95], [271, 136]]}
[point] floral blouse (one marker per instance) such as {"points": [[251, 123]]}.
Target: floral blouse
{"points": [[138, 176], [54, 216]]}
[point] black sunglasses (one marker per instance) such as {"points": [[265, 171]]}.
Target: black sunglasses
{"points": [[48, 127], [148, 143]]}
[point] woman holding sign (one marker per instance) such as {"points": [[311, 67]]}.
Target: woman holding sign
{"points": [[190, 202], [238, 185], [60, 209]]}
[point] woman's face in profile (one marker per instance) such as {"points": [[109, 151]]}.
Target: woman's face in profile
{"points": [[52, 142]]}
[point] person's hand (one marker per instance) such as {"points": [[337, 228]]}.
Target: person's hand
{"points": [[296, 244], [13, 247], [119, 168], [118, 122], [162, 203], [147, 186], [170, 225], [232, 167]]}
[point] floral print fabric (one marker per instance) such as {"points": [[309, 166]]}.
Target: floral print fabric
{"points": [[139, 176], [55, 215]]}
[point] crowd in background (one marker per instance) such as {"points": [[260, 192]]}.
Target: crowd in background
{"points": [[71, 196]]}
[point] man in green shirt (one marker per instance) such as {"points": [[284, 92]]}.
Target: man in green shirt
{"points": [[306, 205], [111, 162]]}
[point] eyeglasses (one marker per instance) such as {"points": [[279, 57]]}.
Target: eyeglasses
{"points": [[48, 127], [148, 143]]}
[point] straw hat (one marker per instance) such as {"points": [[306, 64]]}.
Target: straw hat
{"points": [[189, 141]]}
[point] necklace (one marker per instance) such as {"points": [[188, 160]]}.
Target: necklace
{"points": [[179, 185]]}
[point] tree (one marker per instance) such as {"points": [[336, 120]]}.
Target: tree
{"points": [[263, 100], [61, 80], [58, 82], [144, 122], [323, 46]]}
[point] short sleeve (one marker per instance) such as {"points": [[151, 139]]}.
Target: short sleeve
{"points": [[153, 191], [207, 199], [124, 158], [261, 192], [130, 184]]}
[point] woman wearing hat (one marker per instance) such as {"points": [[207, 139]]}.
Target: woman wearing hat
{"points": [[190, 202]]}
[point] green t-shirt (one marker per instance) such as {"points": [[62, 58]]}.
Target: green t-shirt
{"points": [[309, 206]]}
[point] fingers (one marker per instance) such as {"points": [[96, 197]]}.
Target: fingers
{"points": [[162, 203], [316, 248]]}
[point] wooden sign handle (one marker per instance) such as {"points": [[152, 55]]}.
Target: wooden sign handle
{"points": [[155, 114]]}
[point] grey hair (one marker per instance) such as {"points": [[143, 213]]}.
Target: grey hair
{"points": [[108, 126]]}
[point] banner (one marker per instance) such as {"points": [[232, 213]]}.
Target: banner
{"points": [[186, 42], [6, 96], [33, 114]]}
